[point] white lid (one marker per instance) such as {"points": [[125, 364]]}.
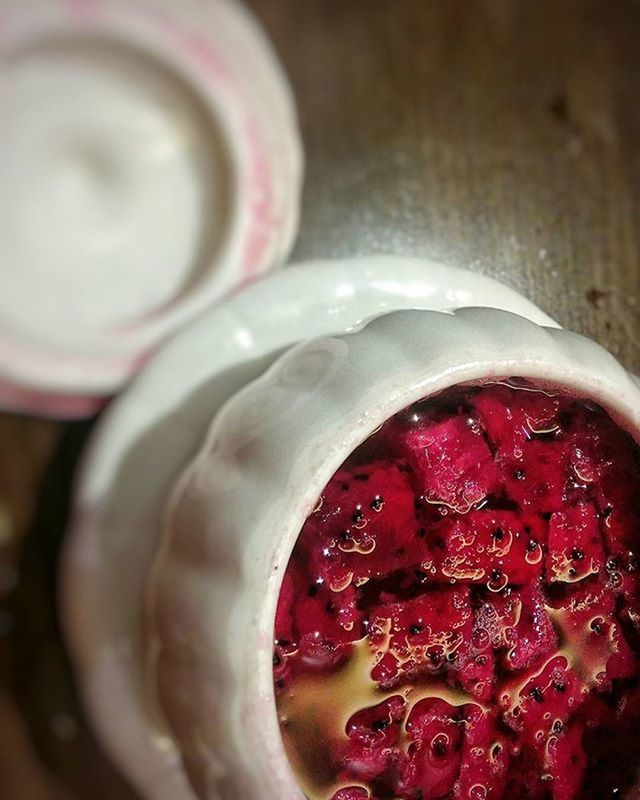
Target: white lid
{"points": [[149, 163]]}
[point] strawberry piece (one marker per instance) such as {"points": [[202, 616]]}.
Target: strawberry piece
{"points": [[365, 525], [513, 416], [484, 759], [533, 636], [452, 462], [371, 753], [575, 544], [493, 547], [424, 635], [566, 761], [543, 704], [435, 730]]}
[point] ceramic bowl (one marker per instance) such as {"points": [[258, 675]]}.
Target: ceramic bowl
{"points": [[236, 513]]}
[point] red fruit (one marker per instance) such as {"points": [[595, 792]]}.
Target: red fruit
{"points": [[452, 462], [373, 734], [365, 525], [538, 481], [575, 544], [485, 757], [352, 793], [533, 636], [565, 761], [421, 636], [524, 781], [486, 545], [496, 548], [542, 705], [512, 416], [592, 632], [435, 730]]}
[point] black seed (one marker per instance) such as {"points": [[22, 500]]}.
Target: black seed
{"points": [[537, 694], [572, 571], [495, 575], [440, 543], [344, 536], [416, 629], [329, 608], [596, 626], [276, 660], [559, 686], [280, 683], [421, 576], [418, 504], [380, 725], [283, 642], [361, 476], [313, 590], [519, 475], [577, 554], [612, 564], [497, 749], [357, 515], [452, 657], [558, 727], [440, 746], [533, 544], [435, 658], [498, 534], [345, 487], [607, 511], [422, 532], [634, 562], [377, 503]]}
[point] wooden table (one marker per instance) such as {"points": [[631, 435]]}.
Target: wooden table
{"points": [[501, 135]]}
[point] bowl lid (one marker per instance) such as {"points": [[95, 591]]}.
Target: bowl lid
{"points": [[150, 164]]}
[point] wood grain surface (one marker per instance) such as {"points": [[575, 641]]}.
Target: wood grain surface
{"points": [[500, 135]]}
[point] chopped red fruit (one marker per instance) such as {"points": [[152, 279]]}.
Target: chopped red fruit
{"points": [[542, 705], [525, 778], [592, 632], [575, 544], [566, 762], [533, 635], [373, 734], [513, 416], [452, 463], [485, 757], [352, 793], [469, 584], [420, 636], [496, 548], [538, 481], [435, 730], [365, 525]]}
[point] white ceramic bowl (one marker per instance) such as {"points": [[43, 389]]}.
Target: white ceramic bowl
{"points": [[151, 163], [236, 513]]}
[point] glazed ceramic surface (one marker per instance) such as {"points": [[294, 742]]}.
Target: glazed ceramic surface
{"points": [[153, 164], [151, 432], [239, 508]]}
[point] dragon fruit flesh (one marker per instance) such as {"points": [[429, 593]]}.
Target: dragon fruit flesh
{"points": [[460, 618]]}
